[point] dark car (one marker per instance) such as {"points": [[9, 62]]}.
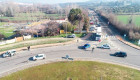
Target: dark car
{"points": [[120, 54], [86, 46]]}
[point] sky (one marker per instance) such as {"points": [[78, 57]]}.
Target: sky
{"points": [[46, 1]]}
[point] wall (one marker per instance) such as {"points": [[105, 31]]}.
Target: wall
{"points": [[27, 37], [17, 39]]}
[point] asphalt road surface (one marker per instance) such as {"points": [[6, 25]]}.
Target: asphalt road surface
{"points": [[74, 51]]}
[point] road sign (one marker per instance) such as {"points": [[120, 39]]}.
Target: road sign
{"points": [[139, 42]]}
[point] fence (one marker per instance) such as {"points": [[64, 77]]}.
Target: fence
{"points": [[17, 39]]}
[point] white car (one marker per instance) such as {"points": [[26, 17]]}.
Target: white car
{"points": [[9, 53], [105, 46], [71, 36], [39, 56]]}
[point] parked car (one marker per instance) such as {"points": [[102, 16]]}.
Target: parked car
{"points": [[39, 56], [105, 46], [71, 36], [86, 46], [120, 54], [9, 53]]}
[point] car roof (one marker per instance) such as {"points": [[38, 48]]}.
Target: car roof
{"points": [[40, 54], [11, 50], [122, 52], [87, 44]]}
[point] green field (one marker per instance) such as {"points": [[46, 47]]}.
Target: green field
{"points": [[31, 16], [125, 19], [79, 70], [6, 30]]}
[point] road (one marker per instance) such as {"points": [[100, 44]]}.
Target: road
{"points": [[73, 50]]}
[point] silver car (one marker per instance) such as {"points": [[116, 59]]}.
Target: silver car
{"points": [[9, 53], [105, 46], [39, 56]]}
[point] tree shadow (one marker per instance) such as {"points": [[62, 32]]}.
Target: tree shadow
{"points": [[24, 49]]}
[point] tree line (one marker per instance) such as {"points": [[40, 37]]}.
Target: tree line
{"points": [[132, 31], [53, 28]]}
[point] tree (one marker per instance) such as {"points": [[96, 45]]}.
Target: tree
{"points": [[67, 27], [52, 29], [86, 23], [75, 15]]}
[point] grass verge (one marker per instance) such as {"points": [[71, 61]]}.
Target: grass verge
{"points": [[79, 70], [32, 43]]}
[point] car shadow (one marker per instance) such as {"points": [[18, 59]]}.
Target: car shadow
{"points": [[112, 55], [98, 47], [80, 47], [1, 56], [31, 59], [63, 57]]}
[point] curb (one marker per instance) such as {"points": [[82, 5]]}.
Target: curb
{"points": [[44, 45], [128, 43]]}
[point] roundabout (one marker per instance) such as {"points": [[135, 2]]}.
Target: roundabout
{"points": [[75, 70]]}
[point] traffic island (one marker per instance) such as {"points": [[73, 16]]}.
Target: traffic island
{"points": [[75, 70]]}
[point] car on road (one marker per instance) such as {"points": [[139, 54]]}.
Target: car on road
{"points": [[9, 53], [120, 54], [105, 46], [71, 36], [39, 57], [86, 46]]}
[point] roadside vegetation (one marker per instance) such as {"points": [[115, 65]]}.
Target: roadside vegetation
{"points": [[130, 29], [39, 20], [33, 42], [78, 70]]}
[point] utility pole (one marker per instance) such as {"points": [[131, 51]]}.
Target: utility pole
{"points": [[66, 30]]}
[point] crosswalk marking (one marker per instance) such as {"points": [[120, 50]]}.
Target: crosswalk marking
{"points": [[111, 36]]}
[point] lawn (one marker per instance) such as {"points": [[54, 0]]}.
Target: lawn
{"points": [[76, 70], [7, 31], [31, 16], [2, 23], [125, 18]]}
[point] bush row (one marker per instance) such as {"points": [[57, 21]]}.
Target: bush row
{"points": [[130, 29]]}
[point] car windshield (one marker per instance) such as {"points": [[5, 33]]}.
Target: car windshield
{"points": [[39, 56]]}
